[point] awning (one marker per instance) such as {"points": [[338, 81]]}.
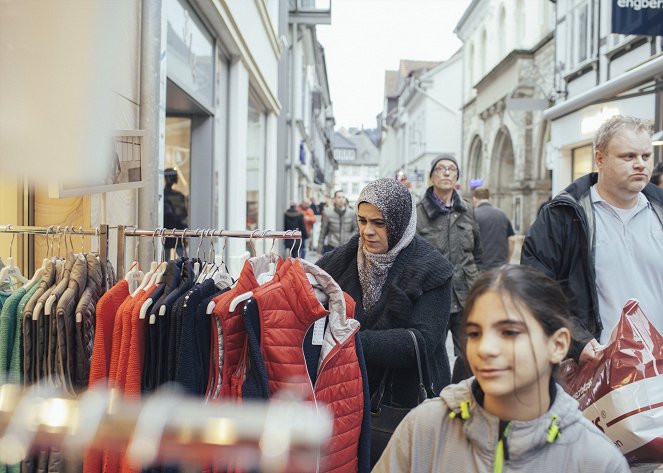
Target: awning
{"points": [[627, 81]]}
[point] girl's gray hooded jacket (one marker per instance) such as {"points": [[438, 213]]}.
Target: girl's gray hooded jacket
{"points": [[429, 440]]}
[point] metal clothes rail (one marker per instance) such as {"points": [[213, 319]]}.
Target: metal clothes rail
{"points": [[124, 231], [101, 232]]}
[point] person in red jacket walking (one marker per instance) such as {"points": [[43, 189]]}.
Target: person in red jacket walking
{"points": [[309, 221]]}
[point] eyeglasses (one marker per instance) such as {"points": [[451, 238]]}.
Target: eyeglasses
{"points": [[445, 169]]}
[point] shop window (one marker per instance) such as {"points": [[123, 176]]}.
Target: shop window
{"points": [[255, 164], [177, 174], [583, 162]]}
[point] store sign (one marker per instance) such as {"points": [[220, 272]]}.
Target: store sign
{"points": [[640, 17]]}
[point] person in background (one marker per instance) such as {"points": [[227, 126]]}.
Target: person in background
{"points": [[497, 235], [512, 416], [601, 238], [315, 233], [447, 221], [657, 175], [175, 212], [398, 282], [293, 219], [309, 220], [338, 224]]}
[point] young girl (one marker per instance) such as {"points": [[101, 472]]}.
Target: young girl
{"points": [[511, 416]]}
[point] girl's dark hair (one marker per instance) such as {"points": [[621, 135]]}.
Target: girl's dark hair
{"points": [[542, 296]]}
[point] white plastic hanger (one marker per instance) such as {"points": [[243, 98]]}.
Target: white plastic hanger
{"points": [[11, 270]]}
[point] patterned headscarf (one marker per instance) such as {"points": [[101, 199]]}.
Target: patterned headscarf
{"points": [[398, 210]]}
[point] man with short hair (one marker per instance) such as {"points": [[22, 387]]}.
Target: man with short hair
{"points": [[497, 236], [447, 221], [602, 237], [338, 224]]}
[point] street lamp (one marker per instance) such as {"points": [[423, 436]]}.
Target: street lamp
{"points": [[657, 138]]}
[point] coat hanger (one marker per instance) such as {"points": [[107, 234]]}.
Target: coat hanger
{"points": [[134, 276], [153, 265], [11, 270], [196, 263]]}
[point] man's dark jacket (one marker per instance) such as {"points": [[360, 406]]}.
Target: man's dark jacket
{"points": [[416, 295], [560, 244]]}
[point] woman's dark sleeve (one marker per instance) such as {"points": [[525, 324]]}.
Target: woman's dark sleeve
{"points": [[393, 348]]}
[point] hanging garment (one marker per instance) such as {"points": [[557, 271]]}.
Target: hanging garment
{"points": [[288, 323], [15, 373], [65, 318], [152, 365], [8, 325], [136, 348], [193, 345], [85, 321], [228, 333], [50, 313], [30, 326]]}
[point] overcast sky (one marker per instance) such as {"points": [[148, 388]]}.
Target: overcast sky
{"points": [[367, 37]]}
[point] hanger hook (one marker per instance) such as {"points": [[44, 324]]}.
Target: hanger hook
{"points": [[200, 242], [154, 244], [184, 252], [49, 245], [11, 245], [253, 246], [82, 240], [163, 244]]}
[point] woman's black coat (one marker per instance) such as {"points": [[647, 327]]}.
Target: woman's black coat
{"points": [[416, 295]]}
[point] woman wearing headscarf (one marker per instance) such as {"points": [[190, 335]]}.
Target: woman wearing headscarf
{"points": [[399, 282]]}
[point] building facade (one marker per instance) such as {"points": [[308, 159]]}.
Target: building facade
{"points": [[599, 73], [421, 118], [202, 83], [507, 80], [357, 159], [306, 125]]}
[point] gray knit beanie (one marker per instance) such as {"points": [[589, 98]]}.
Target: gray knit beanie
{"points": [[442, 157]]}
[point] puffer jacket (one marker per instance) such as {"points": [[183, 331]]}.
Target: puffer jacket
{"points": [[283, 314], [338, 228], [454, 433], [456, 236]]}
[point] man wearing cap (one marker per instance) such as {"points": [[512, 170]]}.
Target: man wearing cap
{"points": [[447, 221]]}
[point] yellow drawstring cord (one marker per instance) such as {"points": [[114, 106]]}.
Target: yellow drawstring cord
{"points": [[553, 430], [498, 467], [464, 411]]}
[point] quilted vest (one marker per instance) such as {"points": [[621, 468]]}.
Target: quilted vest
{"points": [[287, 309], [232, 331]]}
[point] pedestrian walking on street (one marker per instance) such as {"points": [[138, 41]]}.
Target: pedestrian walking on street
{"points": [[497, 235], [293, 219], [512, 417], [601, 238], [399, 283], [309, 221], [447, 221], [338, 224]]}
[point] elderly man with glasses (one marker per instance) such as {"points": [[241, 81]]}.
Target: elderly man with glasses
{"points": [[447, 221]]}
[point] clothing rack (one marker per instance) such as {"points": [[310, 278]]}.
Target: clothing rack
{"points": [[124, 231], [279, 435], [101, 232]]}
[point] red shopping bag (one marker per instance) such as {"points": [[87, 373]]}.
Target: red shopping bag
{"points": [[621, 391]]}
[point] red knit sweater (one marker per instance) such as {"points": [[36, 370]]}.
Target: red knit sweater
{"points": [[107, 308]]}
